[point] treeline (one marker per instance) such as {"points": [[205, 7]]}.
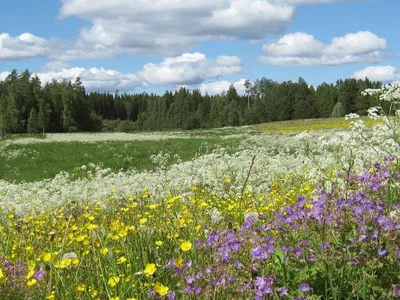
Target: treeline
{"points": [[28, 106]]}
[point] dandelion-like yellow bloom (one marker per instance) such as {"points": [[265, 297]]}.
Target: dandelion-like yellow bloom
{"points": [[186, 246], [159, 243], [47, 257], [150, 269], [113, 281], [121, 260], [161, 289], [80, 287], [2, 277], [31, 282]]}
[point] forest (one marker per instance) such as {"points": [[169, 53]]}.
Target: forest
{"points": [[28, 106]]}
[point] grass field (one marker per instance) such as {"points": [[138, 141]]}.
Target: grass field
{"points": [[37, 161], [34, 157]]}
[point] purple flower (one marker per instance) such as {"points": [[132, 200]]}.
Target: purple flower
{"points": [[396, 289], [224, 252], [353, 261], [297, 252], [189, 264], [382, 252], [38, 274], [325, 246], [171, 295], [398, 253], [260, 281], [238, 264], [255, 252], [188, 289], [171, 262], [190, 279], [283, 292], [197, 290], [304, 287]]}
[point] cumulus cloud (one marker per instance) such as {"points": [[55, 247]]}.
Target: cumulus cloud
{"points": [[317, 1], [217, 87], [3, 75], [98, 79], [170, 26], [379, 73], [25, 45], [302, 49], [158, 27], [189, 68], [186, 69], [28, 45]]}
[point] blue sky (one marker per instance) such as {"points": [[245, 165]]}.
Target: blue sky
{"points": [[152, 46]]}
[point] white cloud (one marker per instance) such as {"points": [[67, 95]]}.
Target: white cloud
{"points": [[93, 78], [28, 45], [3, 75], [318, 1], [379, 73], [186, 69], [170, 26], [25, 45], [294, 44], [301, 49], [217, 87], [189, 68], [158, 27]]}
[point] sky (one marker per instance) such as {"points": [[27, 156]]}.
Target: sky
{"points": [[152, 46]]}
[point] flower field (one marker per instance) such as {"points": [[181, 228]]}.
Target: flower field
{"points": [[256, 215]]}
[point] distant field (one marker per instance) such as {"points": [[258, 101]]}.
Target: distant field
{"points": [[36, 161], [33, 157], [308, 124]]}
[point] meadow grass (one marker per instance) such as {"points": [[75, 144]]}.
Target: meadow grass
{"points": [[44, 160]]}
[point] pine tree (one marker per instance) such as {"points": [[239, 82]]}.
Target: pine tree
{"points": [[33, 126]]}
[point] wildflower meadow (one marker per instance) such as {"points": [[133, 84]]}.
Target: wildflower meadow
{"points": [[245, 214]]}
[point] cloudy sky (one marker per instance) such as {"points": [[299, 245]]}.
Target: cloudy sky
{"points": [[155, 45]]}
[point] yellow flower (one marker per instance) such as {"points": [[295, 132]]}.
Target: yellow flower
{"points": [[47, 257], [227, 180], [80, 287], [90, 226], [64, 263], [121, 260], [114, 298], [161, 289], [31, 282], [113, 281], [93, 292], [104, 251], [52, 296], [159, 243], [186, 246], [2, 277], [178, 262], [150, 269]]}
